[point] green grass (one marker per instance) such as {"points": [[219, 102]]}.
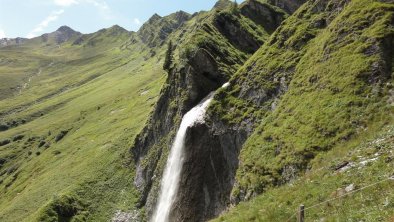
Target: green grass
{"points": [[325, 93], [322, 182], [328, 101], [101, 96]]}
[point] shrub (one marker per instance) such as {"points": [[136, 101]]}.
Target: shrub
{"points": [[5, 142], [169, 57], [42, 143], [63, 208], [18, 137], [61, 135]]}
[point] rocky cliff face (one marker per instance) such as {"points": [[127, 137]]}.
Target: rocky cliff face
{"points": [[263, 13], [245, 115], [257, 88], [264, 97], [211, 162], [290, 6], [211, 48], [156, 30], [10, 41]]}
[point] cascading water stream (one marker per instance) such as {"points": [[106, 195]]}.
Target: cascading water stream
{"points": [[171, 176], [170, 180]]}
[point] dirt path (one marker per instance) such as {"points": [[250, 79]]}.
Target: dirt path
{"points": [[26, 84]]}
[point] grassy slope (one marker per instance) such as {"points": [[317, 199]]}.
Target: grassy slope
{"points": [[335, 102], [322, 183], [101, 115]]}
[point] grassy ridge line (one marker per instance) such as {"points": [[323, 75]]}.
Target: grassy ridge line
{"points": [[53, 81], [24, 111], [108, 43]]}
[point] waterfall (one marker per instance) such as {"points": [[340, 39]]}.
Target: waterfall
{"points": [[171, 176]]}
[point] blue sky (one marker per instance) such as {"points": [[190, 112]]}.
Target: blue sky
{"points": [[30, 18]]}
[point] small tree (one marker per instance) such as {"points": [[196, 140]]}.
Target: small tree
{"points": [[169, 57]]}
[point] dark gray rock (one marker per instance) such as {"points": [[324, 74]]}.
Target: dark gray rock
{"points": [[290, 6], [121, 216], [211, 161], [156, 30], [235, 33], [264, 14], [11, 41], [61, 135]]}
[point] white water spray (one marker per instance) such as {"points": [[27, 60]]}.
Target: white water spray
{"points": [[171, 176]]}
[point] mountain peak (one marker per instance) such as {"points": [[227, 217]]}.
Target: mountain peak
{"points": [[222, 4], [157, 28], [154, 17], [181, 13], [66, 29], [180, 16], [116, 30], [62, 34], [117, 27]]}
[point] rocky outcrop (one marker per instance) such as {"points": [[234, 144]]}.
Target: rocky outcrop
{"points": [[222, 4], [11, 41], [212, 54], [284, 70], [290, 6], [64, 33], [232, 28], [61, 35], [185, 88], [212, 148], [211, 161], [156, 30], [264, 14]]}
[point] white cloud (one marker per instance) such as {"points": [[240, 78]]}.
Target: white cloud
{"points": [[136, 24], [65, 3], [102, 5], [41, 27], [2, 34], [137, 21]]}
